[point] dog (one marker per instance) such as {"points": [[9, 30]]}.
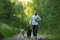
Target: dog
{"points": [[29, 32], [22, 32]]}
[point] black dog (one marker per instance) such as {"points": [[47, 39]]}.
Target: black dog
{"points": [[29, 32]]}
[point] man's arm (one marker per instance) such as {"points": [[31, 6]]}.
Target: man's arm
{"points": [[30, 21], [39, 18]]}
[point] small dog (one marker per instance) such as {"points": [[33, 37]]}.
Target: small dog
{"points": [[22, 32], [29, 32]]}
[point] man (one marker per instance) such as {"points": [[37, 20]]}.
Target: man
{"points": [[34, 22]]}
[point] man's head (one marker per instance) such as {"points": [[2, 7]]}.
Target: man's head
{"points": [[35, 13]]}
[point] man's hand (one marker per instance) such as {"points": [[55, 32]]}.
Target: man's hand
{"points": [[37, 20]]}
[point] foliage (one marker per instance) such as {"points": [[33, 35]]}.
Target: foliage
{"points": [[7, 31], [9, 18], [49, 12]]}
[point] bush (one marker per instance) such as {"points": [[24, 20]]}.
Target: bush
{"points": [[7, 31]]}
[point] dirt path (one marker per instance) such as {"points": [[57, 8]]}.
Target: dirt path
{"points": [[19, 37]]}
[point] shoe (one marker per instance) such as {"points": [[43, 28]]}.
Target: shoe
{"points": [[35, 37]]}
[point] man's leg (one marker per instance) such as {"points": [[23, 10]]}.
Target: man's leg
{"points": [[35, 31]]}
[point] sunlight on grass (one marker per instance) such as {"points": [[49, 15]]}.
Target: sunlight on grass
{"points": [[25, 1], [28, 10], [12, 1], [14, 14], [19, 15]]}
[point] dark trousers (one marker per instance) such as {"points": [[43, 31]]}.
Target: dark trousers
{"points": [[35, 27]]}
